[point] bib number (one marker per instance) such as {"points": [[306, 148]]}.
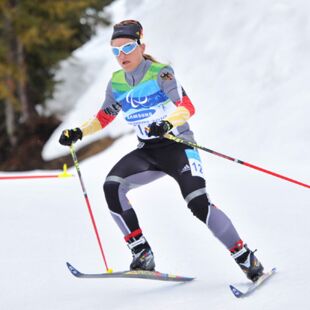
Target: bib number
{"points": [[194, 162]]}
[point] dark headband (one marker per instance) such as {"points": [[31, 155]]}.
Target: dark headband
{"points": [[130, 30]]}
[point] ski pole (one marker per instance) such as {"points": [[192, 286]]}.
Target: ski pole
{"points": [[76, 164], [189, 143]]}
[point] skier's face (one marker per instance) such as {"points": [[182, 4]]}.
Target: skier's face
{"points": [[132, 59]]}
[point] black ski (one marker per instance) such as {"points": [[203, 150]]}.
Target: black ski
{"points": [[131, 274]]}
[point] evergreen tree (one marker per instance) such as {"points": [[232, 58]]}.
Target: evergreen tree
{"points": [[34, 36]]}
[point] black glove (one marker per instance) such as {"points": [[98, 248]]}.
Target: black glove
{"points": [[158, 129], [70, 136]]}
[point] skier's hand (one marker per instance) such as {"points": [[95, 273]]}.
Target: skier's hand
{"points": [[158, 129], [70, 136]]}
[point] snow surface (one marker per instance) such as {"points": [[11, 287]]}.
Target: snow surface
{"points": [[246, 67]]}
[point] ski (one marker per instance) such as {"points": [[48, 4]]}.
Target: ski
{"points": [[130, 274], [253, 286]]}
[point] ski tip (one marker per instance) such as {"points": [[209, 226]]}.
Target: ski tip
{"points": [[253, 286], [74, 271], [181, 278], [235, 291]]}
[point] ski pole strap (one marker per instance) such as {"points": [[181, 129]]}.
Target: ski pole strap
{"points": [[194, 145]]}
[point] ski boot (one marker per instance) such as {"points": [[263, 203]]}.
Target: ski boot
{"points": [[143, 257], [248, 262]]}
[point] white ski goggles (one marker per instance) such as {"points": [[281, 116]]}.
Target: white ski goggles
{"points": [[127, 48]]}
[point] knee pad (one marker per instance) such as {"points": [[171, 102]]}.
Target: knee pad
{"points": [[111, 192], [110, 188], [200, 207], [115, 190]]}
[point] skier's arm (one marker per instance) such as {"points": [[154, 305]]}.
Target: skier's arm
{"points": [[170, 86], [105, 115]]}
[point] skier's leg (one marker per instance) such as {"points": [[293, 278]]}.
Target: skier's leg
{"points": [[192, 185], [133, 170]]}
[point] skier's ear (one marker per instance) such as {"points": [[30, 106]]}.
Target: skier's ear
{"points": [[142, 47]]}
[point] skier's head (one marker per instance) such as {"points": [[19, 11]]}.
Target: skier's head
{"points": [[126, 44]]}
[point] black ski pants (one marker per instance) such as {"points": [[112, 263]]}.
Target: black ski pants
{"points": [[152, 161]]}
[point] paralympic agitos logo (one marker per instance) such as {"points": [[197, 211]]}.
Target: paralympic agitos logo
{"points": [[136, 101]]}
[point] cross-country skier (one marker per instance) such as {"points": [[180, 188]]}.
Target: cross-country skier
{"points": [[154, 103]]}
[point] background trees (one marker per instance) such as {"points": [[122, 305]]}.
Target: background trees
{"points": [[34, 36]]}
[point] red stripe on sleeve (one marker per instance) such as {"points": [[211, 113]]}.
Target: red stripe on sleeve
{"points": [[104, 118], [187, 104]]}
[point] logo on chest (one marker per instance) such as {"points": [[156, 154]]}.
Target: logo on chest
{"points": [[137, 116], [135, 100]]}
